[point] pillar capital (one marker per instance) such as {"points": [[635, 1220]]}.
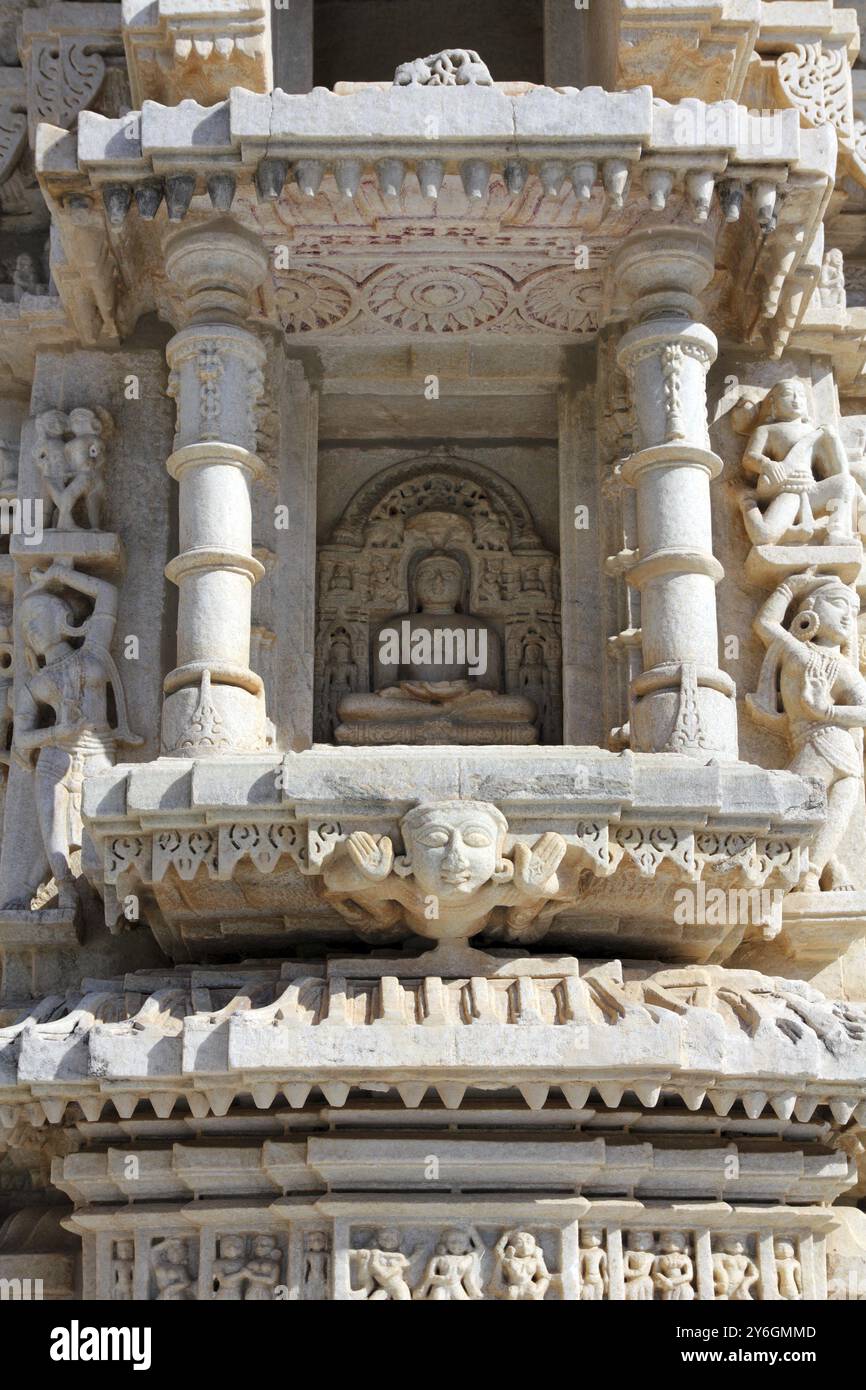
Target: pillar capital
{"points": [[217, 266], [662, 272]]}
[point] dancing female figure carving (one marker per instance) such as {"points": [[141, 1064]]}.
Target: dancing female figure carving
{"points": [[809, 669], [62, 718]]}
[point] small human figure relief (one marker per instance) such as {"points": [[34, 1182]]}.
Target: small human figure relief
{"points": [[172, 1271], [734, 1273], [453, 876], [453, 67], [592, 1266], [9, 450], [7, 708], [673, 1270], [805, 490], [380, 1270], [638, 1260], [453, 1272], [531, 581], [534, 678], [122, 1267], [341, 673], [70, 456], [520, 1273], [62, 711], [340, 581], [237, 1277], [437, 674], [810, 669], [229, 1269], [381, 580], [831, 283], [26, 277], [317, 1265], [263, 1269], [789, 1274]]}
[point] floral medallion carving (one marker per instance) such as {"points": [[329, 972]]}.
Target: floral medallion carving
{"points": [[562, 300], [311, 301], [438, 299]]}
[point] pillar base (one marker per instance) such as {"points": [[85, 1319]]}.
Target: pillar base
{"points": [[685, 714], [199, 720]]}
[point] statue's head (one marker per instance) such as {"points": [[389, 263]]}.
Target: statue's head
{"points": [[454, 847], [673, 1242], [439, 583], [523, 1244], [264, 1246], [785, 1248], [733, 1245], [590, 1239], [25, 266], [787, 400], [828, 611], [174, 1252], [317, 1240], [232, 1247], [44, 621], [389, 1239], [640, 1240], [124, 1249], [455, 1242]]}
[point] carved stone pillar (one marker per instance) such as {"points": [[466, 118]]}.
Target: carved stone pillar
{"points": [[681, 702], [214, 702]]}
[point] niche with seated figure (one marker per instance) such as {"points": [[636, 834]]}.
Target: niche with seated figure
{"points": [[438, 614]]}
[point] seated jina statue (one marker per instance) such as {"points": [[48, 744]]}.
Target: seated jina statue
{"points": [[437, 674]]}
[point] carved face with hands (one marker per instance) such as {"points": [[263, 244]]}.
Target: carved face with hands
{"points": [[454, 848]]}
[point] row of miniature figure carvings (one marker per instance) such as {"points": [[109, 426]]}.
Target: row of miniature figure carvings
{"points": [[470, 1262]]}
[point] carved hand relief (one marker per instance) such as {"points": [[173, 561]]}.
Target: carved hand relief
{"points": [[452, 878], [811, 692], [70, 456]]}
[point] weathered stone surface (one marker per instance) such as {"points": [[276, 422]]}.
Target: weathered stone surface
{"points": [[431, 661]]}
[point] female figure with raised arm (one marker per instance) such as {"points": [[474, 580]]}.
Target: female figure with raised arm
{"points": [[63, 711]]}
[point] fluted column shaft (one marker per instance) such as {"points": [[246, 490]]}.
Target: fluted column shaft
{"points": [[214, 702], [681, 702]]}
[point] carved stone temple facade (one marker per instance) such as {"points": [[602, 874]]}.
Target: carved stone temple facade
{"points": [[433, 500]]}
